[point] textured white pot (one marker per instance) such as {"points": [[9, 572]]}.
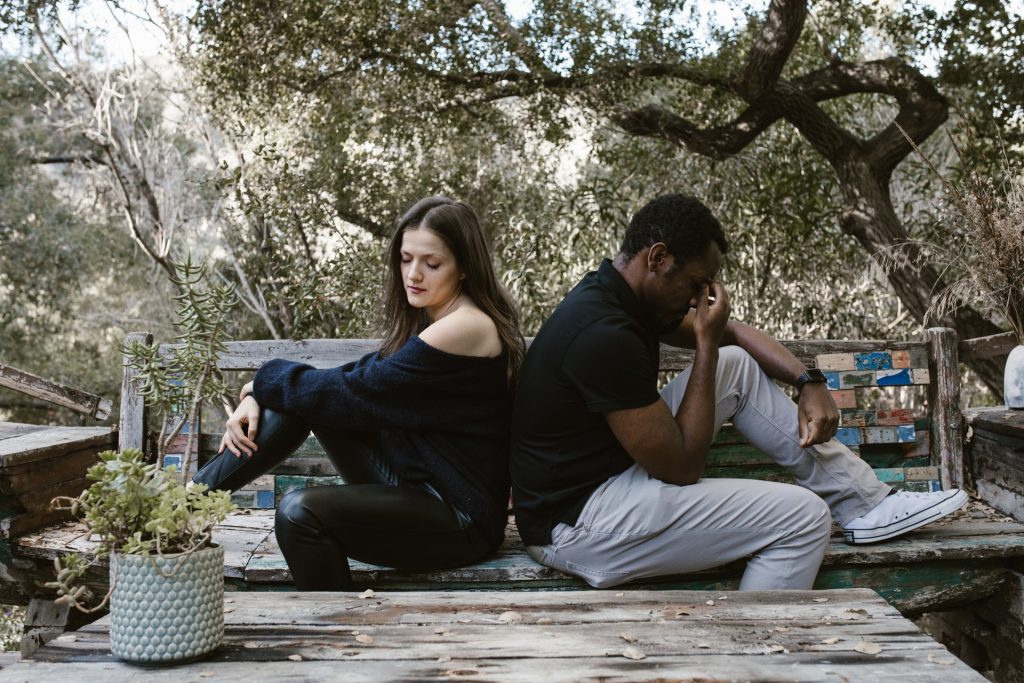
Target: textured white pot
{"points": [[163, 615], [1013, 378]]}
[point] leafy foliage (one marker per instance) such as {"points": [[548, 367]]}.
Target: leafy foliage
{"points": [[66, 273], [137, 508], [178, 384]]}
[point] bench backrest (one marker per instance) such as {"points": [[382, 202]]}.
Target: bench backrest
{"points": [[905, 444]]}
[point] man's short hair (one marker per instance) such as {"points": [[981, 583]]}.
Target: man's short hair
{"points": [[682, 222]]}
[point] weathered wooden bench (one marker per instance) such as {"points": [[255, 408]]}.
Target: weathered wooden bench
{"points": [[900, 403]]}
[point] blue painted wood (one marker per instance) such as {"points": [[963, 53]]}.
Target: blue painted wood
{"points": [[850, 436], [892, 378], [875, 360], [905, 434], [832, 379], [889, 475]]}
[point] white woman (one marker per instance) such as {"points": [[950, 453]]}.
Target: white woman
{"points": [[418, 430]]}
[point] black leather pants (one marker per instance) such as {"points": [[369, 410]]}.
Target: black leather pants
{"points": [[374, 517]]}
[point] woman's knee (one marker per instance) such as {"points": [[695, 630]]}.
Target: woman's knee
{"points": [[274, 424], [296, 512]]}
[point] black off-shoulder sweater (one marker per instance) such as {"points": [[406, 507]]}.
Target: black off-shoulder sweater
{"points": [[444, 417]]}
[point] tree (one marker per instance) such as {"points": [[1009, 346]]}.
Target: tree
{"points": [[55, 260], [384, 68]]}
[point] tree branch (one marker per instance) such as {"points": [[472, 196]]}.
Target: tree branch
{"points": [[784, 21], [514, 39], [84, 159]]}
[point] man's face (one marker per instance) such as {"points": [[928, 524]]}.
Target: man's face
{"points": [[677, 284]]}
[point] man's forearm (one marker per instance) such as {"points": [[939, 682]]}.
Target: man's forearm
{"points": [[775, 359], [696, 413]]}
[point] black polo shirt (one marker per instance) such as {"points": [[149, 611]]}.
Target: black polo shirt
{"points": [[597, 353]]}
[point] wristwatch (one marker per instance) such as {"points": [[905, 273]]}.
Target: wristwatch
{"points": [[810, 376]]}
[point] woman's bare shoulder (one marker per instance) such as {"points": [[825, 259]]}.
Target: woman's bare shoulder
{"points": [[467, 331]]}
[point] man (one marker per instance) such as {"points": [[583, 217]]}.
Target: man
{"points": [[607, 473]]}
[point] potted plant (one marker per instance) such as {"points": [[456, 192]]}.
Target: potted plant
{"points": [[166, 576]]}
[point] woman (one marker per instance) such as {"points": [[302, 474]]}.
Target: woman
{"points": [[419, 430]]}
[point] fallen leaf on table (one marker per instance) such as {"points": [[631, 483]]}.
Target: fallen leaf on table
{"points": [[820, 599], [510, 617], [444, 658], [544, 621], [628, 637], [776, 648], [830, 641], [710, 602], [782, 629], [295, 658], [205, 674], [703, 646], [368, 593], [855, 614], [867, 648], [944, 661], [632, 652], [66, 638], [364, 639]]}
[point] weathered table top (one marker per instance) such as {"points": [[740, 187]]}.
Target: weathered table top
{"points": [[839, 635]]}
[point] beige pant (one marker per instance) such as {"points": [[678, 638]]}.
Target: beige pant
{"points": [[635, 526]]}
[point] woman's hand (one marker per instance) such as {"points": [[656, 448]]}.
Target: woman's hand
{"points": [[239, 438], [817, 415]]}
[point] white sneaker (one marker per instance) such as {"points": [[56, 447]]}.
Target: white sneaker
{"points": [[901, 512]]}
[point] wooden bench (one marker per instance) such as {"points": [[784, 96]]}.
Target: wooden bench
{"points": [[917, 446]]}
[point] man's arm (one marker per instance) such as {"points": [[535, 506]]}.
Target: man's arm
{"points": [[818, 416], [674, 448]]}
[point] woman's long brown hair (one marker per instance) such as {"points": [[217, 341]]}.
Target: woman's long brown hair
{"points": [[457, 224]]}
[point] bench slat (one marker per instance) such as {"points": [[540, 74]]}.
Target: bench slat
{"points": [[329, 353]]}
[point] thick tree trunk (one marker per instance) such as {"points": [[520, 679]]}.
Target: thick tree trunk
{"points": [[869, 216]]}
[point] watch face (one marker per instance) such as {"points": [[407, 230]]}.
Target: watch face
{"points": [[817, 376]]}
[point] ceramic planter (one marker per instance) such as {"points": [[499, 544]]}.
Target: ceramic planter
{"points": [[162, 616], [1013, 378]]}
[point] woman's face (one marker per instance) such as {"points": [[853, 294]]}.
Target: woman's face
{"points": [[430, 274]]}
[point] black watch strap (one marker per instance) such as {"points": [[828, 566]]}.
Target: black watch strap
{"points": [[811, 376]]}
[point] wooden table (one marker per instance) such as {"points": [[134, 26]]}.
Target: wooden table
{"points": [[838, 635]]}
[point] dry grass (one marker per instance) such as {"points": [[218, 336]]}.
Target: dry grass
{"points": [[983, 259]]}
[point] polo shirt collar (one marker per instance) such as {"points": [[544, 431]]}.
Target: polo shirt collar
{"points": [[612, 280]]}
